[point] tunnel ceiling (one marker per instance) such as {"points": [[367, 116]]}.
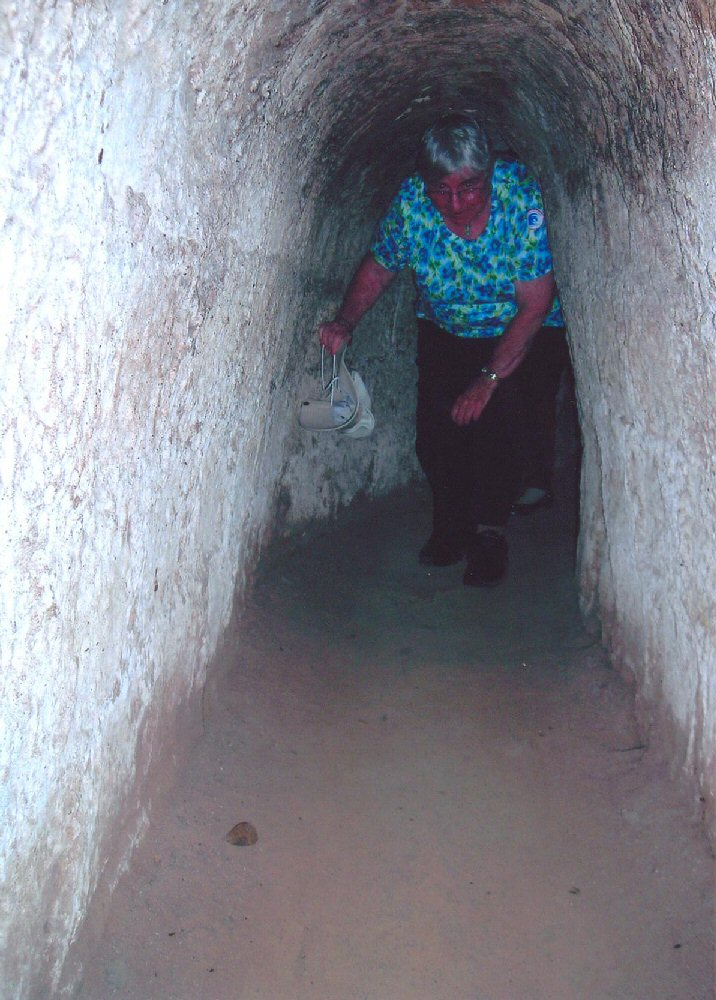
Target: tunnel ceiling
{"points": [[563, 83]]}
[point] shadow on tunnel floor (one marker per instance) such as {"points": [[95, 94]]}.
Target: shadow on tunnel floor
{"points": [[365, 566]]}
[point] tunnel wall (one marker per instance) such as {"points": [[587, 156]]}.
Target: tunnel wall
{"points": [[156, 350], [639, 292], [646, 368], [186, 189]]}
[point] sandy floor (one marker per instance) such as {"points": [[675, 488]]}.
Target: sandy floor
{"points": [[450, 797]]}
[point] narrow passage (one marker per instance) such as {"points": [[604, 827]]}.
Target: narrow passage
{"points": [[450, 796]]}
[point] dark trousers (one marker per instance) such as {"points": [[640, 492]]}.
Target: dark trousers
{"points": [[473, 471], [538, 379]]}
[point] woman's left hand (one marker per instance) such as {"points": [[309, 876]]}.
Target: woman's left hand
{"points": [[533, 301], [469, 406]]}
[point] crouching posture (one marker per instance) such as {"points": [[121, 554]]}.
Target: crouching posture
{"points": [[471, 228]]}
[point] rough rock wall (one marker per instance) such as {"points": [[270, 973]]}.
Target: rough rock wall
{"points": [[641, 294], [649, 519], [185, 187], [158, 302], [127, 474]]}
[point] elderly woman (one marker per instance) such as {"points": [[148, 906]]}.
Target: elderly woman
{"points": [[472, 230]]}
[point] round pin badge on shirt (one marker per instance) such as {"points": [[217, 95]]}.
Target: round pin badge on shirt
{"points": [[535, 219]]}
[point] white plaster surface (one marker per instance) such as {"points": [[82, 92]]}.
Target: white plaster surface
{"points": [[185, 188]]}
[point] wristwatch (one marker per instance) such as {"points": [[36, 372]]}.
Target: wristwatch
{"points": [[488, 373]]}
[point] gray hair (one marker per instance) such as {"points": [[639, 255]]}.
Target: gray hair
{"points": [[454, 142]]}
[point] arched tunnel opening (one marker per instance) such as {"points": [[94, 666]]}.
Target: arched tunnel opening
{"points": [[186, 190]]}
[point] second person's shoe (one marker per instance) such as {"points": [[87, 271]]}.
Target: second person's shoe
{"points": [[533, 499]]}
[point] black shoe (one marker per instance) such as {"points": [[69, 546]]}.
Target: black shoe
{"points": [[486, 559], [441, 551], [526, 508]]}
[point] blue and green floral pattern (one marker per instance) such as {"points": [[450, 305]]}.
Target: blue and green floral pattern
{"points": [[467, 286]]}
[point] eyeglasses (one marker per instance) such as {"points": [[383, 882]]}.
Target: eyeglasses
{"points": [[471, 186]]}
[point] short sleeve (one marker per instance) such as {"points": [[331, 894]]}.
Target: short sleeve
{"points": [[390, 245], [532, 256]]}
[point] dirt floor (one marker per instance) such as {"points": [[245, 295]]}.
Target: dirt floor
{"points": [[450, 796]]}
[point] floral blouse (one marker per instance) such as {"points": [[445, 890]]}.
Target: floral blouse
{"points": [[467, 286]]}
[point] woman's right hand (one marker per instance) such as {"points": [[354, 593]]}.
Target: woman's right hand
{"points": [[334, 335]]}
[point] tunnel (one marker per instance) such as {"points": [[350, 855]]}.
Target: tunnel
{"points": [[186, 189]]}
